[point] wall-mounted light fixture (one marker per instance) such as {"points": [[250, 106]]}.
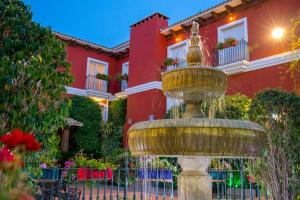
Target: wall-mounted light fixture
{"points": [[278, 33]]}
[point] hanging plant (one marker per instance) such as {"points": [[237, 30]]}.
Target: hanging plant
{"points": [[122, 77], [104, 77]]}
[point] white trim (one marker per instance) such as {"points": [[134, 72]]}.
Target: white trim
{"points": [[144, 87], [169, 55], [245, 66], [97, 61], [231, 24], [90, 93]]}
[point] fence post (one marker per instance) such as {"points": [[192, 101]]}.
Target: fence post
{"points": [[126, 176], [242, 179]]}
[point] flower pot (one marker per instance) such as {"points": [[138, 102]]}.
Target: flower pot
{"points": [[165, 174], [88, 173], [50, 173]]}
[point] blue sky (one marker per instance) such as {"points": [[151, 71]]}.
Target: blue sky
{"points": [[107, 22]]}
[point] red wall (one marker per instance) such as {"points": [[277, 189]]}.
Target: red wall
{"points": [[252, 82], [261, 21], [141, 105], [78, 57], [147, 51]]}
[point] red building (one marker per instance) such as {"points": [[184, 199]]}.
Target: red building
{"points": [[255, 58]]}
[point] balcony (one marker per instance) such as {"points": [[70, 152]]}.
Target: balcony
{"points": [[124, 85], [94, 84], [181, 63], [232, 54]]}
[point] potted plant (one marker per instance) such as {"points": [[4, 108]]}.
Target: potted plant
{"points": [[49, 168], [161, 169], [166, 63], [101, 76], [92, 168], [228, 42], [122, 77]]}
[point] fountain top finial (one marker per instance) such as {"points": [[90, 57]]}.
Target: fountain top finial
{"points": [[195, 28], [195, 55]]}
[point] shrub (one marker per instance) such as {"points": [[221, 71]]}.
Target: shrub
{"points": [[87, 111], [117, 112], [279, 112]]}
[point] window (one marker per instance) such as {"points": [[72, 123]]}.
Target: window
{"points": [[95, 67], [238, 31], [125, 70], [179, 51], [104, 113]]}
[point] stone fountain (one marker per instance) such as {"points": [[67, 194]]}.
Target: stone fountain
{"points": [[193, 138]]}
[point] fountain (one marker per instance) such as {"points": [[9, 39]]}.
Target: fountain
{"points": [[193, 138]]}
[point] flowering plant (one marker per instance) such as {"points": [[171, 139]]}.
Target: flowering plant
{"points": [[16, 144], [228, 42]]}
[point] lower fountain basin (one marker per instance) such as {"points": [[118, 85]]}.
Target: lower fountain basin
{"points": [[197, 137]]}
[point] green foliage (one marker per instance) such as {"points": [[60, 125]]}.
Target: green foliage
{"points": [[88, 112], [82, 160], [31, 87], [295, 44], [104, 77], [234, 107], [279, 112], [117, 112], [111, 141]]}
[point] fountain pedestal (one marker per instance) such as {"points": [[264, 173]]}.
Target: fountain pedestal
{"points": [[194, 182]]}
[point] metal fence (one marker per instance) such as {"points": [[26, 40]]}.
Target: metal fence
{"points": [[231, 54], [135, 184]]}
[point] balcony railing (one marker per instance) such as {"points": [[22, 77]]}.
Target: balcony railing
{"points": [[124, 85], [181, 63], [92, 83], [232, 54]]}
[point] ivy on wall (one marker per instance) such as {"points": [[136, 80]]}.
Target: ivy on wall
{"points": [[87, 111]]}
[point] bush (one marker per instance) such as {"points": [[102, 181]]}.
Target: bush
{"points": [[87, 111], [235, 107], [111, 140], [117, 112], [279, 112]]}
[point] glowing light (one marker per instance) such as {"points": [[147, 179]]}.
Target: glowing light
{"points": [[277, 33], [177, 39]]}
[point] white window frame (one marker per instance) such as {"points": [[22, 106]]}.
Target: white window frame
{"points": [[123, 65], [169, 49], [97, 61], [231, 24], [169, 55]]}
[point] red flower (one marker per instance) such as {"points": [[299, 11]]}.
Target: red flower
{"points": [[6, 155], [6, 159], [18, 137]]}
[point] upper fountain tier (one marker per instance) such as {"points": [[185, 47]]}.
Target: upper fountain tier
{"points": [[195, 82]]}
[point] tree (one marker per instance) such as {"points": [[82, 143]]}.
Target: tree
{"points": [[279, 167], [33, 73], [294, 45], [88, 112]]}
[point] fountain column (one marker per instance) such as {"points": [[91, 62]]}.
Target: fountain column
{"points": [[194, 183]]}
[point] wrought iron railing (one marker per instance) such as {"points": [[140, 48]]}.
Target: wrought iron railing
{"points": [[181, 63], [231, 54], [124, 85], [92, 83], [142, 183]]}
